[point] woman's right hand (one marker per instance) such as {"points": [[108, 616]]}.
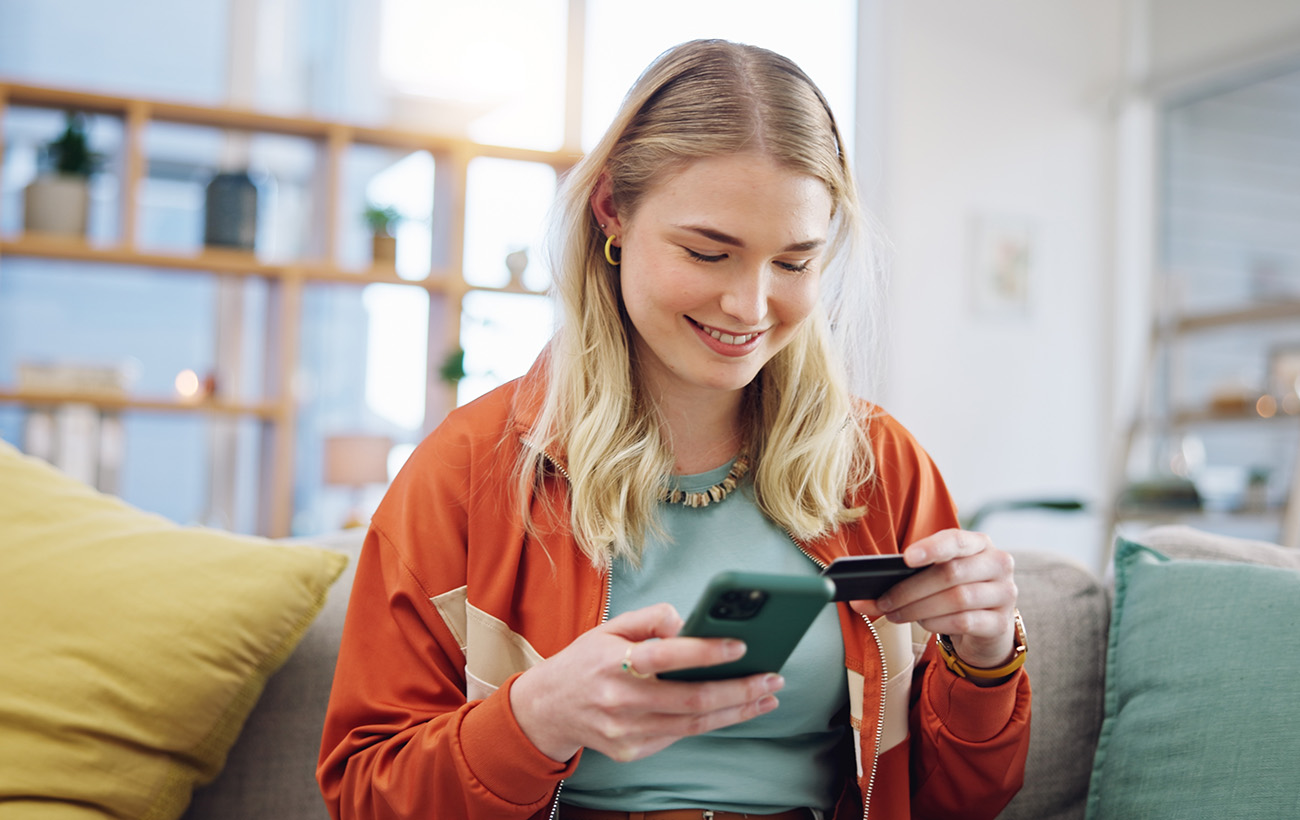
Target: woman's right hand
{"points": [[583, 697]]}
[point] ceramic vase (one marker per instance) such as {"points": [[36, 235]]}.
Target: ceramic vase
{"points": [[57, 204]]}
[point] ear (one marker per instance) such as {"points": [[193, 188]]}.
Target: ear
{"points": [[603, 208]]}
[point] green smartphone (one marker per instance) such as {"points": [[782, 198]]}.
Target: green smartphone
{"points": [[769, 612]]}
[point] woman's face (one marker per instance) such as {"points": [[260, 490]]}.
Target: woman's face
{"points": [[720, 267]]}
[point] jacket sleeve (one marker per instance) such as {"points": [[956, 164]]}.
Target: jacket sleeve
{"points": [[400, 739], [968, 744]]}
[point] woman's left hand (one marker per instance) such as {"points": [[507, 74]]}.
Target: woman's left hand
{"points": [[966, 591]]}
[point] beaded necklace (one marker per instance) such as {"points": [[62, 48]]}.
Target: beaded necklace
{"points": [[710, 495]]}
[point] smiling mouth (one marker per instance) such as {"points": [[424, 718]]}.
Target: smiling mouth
{"points": [[727, 338]]}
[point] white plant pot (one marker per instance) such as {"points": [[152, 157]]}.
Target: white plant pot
{"points": [[57, 204]]}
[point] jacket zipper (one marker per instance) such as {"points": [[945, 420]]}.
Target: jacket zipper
{"points": [[604, 616], [880, 718], [884, 678], [552, 460]]}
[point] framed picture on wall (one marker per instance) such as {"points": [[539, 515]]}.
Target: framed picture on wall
{"points": [[1001, 264]]}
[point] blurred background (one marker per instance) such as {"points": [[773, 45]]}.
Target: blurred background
{"points": [[311, 227]]}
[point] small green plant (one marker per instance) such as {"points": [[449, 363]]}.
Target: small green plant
{"points": [[382, 220], [453, 367], [70, 154]]}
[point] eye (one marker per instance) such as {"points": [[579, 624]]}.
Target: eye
{"points": [[699, 257], [794, 267]]}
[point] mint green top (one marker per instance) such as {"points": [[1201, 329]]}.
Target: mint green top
{"points": [[775, 762]]}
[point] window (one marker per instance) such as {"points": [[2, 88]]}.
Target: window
{"points": [[492, 69]]}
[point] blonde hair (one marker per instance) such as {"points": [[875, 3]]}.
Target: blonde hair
{"points": [[807, 441]]}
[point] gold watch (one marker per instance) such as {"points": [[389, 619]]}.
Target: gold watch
{"points": [[965, 670]]}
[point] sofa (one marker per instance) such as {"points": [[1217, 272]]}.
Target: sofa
{"points": [[1184, 702], [1066, 607]]}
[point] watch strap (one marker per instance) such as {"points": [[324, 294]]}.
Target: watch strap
{"points": [[965, 670]]}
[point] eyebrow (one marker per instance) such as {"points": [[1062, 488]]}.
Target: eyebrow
{"points": [[728, 239]]}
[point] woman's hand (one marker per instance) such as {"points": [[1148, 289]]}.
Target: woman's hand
{"points": [[967, 591], [583, 697]]}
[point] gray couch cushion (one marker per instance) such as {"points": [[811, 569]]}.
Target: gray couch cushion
{"points": [[270, 772], [1190, 544], [1067, 614]]}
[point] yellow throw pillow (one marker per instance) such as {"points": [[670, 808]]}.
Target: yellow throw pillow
{"points": [[131, 649]]}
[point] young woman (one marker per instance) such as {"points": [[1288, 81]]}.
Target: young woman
{"points": [[521, 584]]}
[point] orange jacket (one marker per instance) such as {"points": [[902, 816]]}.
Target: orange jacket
{"points": [[452, 600]]}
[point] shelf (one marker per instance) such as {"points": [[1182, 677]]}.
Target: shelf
{"points": [[231, 263], [263, 410], [1271, 312], [1170, 515], [235, 263], [240, 119], [1184, 418], [208, 260]]}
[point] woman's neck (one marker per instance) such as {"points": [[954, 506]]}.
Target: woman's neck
{"points": [[702, 435]]}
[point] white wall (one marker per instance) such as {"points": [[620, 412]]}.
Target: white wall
{"points": [[156, 48], [999, 109], [1042, 112]]}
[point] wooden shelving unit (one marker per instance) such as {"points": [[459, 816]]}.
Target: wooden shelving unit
{"points": [[1166, 333], [262, 410], [1257, 314], [287, 280]]}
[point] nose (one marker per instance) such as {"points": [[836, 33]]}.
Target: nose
{"points": [[745, 297]]}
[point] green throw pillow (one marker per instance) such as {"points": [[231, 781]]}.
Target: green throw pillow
{"points": [[1202, 702], [131, 649]]}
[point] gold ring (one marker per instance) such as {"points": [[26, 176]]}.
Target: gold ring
{"points": [[629, 668]]}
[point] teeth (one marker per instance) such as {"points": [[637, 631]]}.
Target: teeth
{"points": [[728, 339]]}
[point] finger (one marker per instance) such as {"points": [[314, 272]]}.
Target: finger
{"points": [[687, 653], [656, 621], [669, 710], [952, 602], [978, 624], [662, 730], [702, 697], [698, 723], [989, 565], [945, 545], [668, 730], [867, 609]]}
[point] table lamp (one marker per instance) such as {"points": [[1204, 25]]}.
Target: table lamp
{"points": [[356, 461]]}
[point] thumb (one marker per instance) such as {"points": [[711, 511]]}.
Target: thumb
{"points": [[868, 609], [656, 621]]}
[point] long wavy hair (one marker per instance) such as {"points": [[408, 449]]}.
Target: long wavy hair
{"points": [[804, 433]]}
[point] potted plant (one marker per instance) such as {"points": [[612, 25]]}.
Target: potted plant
{"points": [[58, 200], [453, 367], [383, 222]]}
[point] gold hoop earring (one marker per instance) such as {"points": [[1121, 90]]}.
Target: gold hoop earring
{"points": [[609, 252]]}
